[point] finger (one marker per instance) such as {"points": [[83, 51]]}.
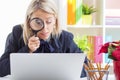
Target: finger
{"points": [[35, 43], [33, 47], [33, 39]]}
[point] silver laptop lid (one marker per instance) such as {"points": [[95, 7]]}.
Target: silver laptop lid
{"points": [[46, 66]]}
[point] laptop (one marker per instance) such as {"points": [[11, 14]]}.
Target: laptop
{"points": [[46, 66]]}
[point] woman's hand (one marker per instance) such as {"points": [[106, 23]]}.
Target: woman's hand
{"points": [[33, 43]]}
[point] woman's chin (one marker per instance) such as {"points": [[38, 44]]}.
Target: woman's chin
{"points": [[44, 38]]}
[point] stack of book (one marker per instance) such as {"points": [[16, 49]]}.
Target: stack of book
{"points": [[112, 20], [74, 11], [96, 42]]}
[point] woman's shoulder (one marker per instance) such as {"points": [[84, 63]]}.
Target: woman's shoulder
{"points": [[66, 34], [17, 28]]}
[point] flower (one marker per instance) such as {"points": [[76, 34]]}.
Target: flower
{"points": [[113, 50]]}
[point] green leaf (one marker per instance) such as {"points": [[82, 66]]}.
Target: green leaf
{"points": [[82, 43], [110, 50], [87, 10]]}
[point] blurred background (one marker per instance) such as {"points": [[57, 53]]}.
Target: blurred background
{"points": [[12, 13]]}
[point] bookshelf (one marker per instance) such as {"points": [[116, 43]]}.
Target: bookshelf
{"points": [[112, 17], [106, 11], [94, 29], [111, 22]]}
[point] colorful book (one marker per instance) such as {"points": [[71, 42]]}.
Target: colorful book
{"points": [[112, 20], [78, 11], [98, 42], [90, 53], [71, 13]]}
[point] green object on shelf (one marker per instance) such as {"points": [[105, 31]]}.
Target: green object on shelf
{"points": [[87, 10], [78, 10], [87, 19], [82, 43], [86, 14]]}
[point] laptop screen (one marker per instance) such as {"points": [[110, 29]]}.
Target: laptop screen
{"points": [[46, 66]]}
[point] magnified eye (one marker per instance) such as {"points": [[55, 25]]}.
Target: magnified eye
{"points": [[39, 22]]}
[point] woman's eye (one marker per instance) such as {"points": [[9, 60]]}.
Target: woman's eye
{"points": [[48, 22]]}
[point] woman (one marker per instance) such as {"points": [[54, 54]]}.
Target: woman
{"points": [[40, 33]]}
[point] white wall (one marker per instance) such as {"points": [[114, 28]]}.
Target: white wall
{"points": [[12, 12], [112, 4], [63, 13]]}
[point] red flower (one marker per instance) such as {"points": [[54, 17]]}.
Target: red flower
{"points": [[116, 54], [113, 50], [104, 48]]}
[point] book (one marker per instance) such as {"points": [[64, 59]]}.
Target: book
{"points": [[98, 42], [71, 12], [90, 54], [112, 20], [78, 11]]}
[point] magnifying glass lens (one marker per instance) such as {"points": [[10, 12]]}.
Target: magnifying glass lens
{"points": [[37, 24]]}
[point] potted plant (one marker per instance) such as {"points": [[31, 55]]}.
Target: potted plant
{"points": [[86, 13], [82, 43]]}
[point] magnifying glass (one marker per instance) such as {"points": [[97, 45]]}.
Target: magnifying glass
{"points": [[37, 25]]}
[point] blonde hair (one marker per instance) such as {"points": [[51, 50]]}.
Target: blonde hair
{"points": [[46, 5]]}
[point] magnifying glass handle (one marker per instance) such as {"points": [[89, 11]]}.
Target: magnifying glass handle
{"points": [[36, 35]]}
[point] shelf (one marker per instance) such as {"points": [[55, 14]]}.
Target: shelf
{"points": [[112, 26], [86, 31], [84, 26]]}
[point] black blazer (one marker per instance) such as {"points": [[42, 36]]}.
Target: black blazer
{"points": [[15, 44]]}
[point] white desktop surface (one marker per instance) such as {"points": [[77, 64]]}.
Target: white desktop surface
{"points": [[5, 78], [111, 77], [8, 78]]}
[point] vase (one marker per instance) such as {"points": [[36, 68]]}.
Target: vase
{"points": [[87, 19], [116, 66]]}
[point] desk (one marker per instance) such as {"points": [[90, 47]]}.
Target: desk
{"points": [[110, 77], [5, 78], [8, 78]]}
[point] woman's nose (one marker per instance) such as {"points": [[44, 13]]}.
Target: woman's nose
{"points": [[45, 26]]}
